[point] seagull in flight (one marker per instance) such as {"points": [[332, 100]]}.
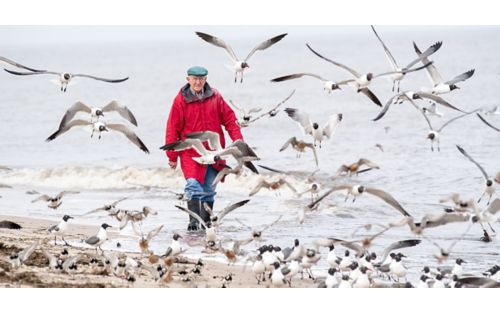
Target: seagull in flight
{"points": [[312, 128], [398, 76], [489, 181], [99, 127], [238, 65], [439, 86], [300, 146], [270, 113], [96, 112], [66, 78], [328, 85], [361, 81], [411, 96]]}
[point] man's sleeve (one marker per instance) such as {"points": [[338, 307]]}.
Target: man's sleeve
{"points": [[229, 121], [175, 123]]}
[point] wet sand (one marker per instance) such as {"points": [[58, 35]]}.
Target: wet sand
{"points": [[36, 272]]}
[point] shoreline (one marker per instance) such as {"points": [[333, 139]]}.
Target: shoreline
{"points": [[185, 273]]}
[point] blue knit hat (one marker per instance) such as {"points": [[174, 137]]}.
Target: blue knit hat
{"points": [[197, 71]]}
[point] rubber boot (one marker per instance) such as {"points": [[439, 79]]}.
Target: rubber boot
{"points": [[194, 206], [204, 214]]}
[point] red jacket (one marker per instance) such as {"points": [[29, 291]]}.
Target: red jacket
{"points": [[190, 114]]}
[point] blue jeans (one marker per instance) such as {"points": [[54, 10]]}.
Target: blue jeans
{"points": [[205, 192]]}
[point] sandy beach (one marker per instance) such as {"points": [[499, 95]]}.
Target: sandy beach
{"points": [[36, 272]]}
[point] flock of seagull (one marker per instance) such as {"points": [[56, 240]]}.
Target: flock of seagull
{"points": [[357, 266]]}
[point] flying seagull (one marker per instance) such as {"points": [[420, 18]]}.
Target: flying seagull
{"points": [[400, 74], [13, 63], [99, 127], [65, 78], [238, 65]]}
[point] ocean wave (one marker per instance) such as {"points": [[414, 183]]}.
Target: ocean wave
{"points": [[129, 177]]}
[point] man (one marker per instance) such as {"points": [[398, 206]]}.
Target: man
{"points": [[198, 107]]}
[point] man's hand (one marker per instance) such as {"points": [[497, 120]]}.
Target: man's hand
{"points": [[173, 165]]}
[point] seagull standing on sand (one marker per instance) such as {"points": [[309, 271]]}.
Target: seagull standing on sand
{"points": [[175, 247], [239, 66], [66, 78], [101, 236], [60, 229]]}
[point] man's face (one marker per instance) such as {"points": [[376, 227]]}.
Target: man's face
{"points": [[196, 82]]}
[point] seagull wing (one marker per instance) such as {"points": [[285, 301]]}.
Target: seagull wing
{"points": [[31, 73], [454, 119], [212, 137], [129, 134], [288, 142], [438, 99], [122, 110], [387, 198], [367, 163], [421, 112], [350, 70], [310, 145], [367, 92], [230, 208], [25, 254], [399, 245], [13, 63], [108, 80], [487, 123], [388, 105], [194, 215], [52, 259], [70, 262], [266, 44], [297, 75], [331, 125], [185, 144], [219, 43], [462, 150], [67, 127], [494, 207], [154, 233], [432, 72], [435, 47], [461, 77], [92, 240], [71, 112], [41, 198], [302, 118], [326, 194], [388, 53]]}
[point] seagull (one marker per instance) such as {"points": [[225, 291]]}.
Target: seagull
{"points": [[216, 220], [97, 240], [413, 95], [313, 129], [109, 208], [175, 247], [271, 185], [490, 214], [124, 216], [257, 233], [238, 149], [438, 86], [328, 85], [355, 167], [13, 63], [489, 182], [487, 123], [356, 190], [54, 202], [54, 263], [239, 66], [400, 74], [273, 111], [432, 110], [245, 119], [60, 229], [300, 146], [99, 127], [144, 241], [493, 111], [361, 81], [17, 259], [96, 112], [65, 78], [433, 135]]}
